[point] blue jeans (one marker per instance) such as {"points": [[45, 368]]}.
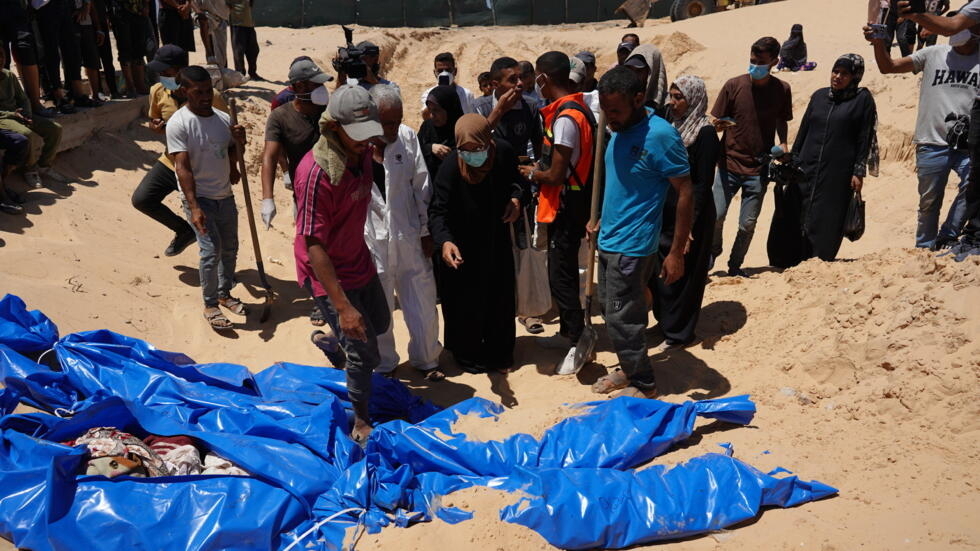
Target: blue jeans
{"points": [[933, 165], [727, 184], [219, 247]]}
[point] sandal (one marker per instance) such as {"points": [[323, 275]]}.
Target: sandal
{"points": [[233, 305], [533, 325], [317, 319], [635, 392], [616, 380], [216, 319], [435, 375]]}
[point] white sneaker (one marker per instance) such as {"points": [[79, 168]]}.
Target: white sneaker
{"points": [[33, 179], [569, 365], [555, 342]]}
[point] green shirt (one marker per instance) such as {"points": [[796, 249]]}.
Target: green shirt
{"points": [[241, 13], [12, 96]]}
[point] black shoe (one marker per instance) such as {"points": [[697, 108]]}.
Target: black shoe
{"points": [[66, 108], [256, 77], [943, 242], [45, 112], [179, 243], [9, 207], [737, 272]]}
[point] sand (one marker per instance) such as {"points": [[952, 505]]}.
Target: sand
{"points": [[865, 370]]}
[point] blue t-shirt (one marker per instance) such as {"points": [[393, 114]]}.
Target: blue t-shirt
{"points": [[639, 161]]}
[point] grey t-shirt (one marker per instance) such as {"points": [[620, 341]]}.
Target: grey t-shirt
{"points": [[206, 141], [972, 10], [950, 83]]}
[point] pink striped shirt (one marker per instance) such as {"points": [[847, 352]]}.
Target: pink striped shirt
{"points": [[335, 216]]}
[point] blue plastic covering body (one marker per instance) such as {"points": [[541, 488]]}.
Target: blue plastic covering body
{"points": [[287, 426]]}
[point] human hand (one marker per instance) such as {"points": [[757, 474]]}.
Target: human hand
{"points": [[198, 220], [352, 323], [238, 134], [592, 228], [527, 171], [673, 268], [451, 255], [158, 125], [428, 246], [510, 98], [857, 183], [234, 175], [512, 212], [440, 150], [19, 115], [268, 211], [184, 10]]}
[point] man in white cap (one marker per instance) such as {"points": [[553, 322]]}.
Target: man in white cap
{"points": [[398, 235], [332, 187]]}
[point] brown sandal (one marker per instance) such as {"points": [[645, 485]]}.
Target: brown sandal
{"points": [[217, 319], [233, 305], [615, 380]]}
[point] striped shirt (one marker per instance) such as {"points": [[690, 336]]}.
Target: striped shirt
{"points": [[335, 216]]}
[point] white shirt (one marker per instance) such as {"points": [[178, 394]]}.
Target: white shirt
{"points": [[206, 141], [567, 134], [466, 98]]}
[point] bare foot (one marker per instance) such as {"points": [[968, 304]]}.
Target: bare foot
{"points": [[362, 430]]}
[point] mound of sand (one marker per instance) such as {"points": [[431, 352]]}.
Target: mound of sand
{"points": [[865, 370]]}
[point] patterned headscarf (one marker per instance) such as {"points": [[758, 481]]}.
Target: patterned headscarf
{"points": [[854, 64], [695, 118]]}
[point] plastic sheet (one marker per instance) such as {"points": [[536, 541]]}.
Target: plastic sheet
{"points": [[287, 426]]}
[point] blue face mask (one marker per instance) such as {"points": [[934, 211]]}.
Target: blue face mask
{"points": [[474, 158], [759, 72], [170, 83]]}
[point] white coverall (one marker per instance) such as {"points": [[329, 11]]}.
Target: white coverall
{"points": [[395, 226]]}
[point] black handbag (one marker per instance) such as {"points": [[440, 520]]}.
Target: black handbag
{"points": [[854, 221]]}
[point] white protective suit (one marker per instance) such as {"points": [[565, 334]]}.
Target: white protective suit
{"points": [[395, 226]]}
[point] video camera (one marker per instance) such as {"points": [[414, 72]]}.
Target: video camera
{"points": [[349, 60]]}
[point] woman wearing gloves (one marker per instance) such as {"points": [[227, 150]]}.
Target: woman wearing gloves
{"points": [[166, 98], [293, 129]]}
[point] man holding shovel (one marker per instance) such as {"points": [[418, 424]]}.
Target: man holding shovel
{"points": [[645, 155]]}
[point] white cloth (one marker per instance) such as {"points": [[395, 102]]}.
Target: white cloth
{"points": [[567, 134], [592, 101], [206, 141], [466, 98], [950, 83], [395, 226]]}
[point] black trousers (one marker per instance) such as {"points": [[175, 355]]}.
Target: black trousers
{"points": [[131, 32], [148, 198], [972, 229], [244, 46], [59, 43], [565, 235], [108, 67], [15, 33], [174, 29]]}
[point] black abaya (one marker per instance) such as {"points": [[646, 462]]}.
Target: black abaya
{"points": [[832, 145], [678, 306], [478, 298]]}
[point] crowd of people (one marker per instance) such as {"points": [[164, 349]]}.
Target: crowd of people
{"points": [[51, 42], [433, 218]]}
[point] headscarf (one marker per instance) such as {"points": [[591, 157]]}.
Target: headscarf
{"points": [[473, 129], [657, 85], [854, 64], [695, 118], [328, 152], [447, 98], [793, 52]]}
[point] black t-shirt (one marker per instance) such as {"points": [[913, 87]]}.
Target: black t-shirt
{"points": [[296, 132], [519, 126]]}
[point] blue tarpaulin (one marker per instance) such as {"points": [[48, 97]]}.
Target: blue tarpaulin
{"points": [[585, 478]]}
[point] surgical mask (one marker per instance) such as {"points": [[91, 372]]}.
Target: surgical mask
{"points": [[759, 72], [474, 158], [960, 38], [320, 96], [170, 83], [445, 78]]}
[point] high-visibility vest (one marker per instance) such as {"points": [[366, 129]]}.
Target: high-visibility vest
{"points": [[572, 106]]}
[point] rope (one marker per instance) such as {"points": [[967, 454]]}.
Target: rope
{"points": [[319, 524]]}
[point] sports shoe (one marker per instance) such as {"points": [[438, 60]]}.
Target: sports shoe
{"points": [[33, 179], [737, 272], [52, 174], [180, 242], [571, 364], [9, 207], [555, 342]]}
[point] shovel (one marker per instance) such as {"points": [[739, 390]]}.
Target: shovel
{"points": [[270, 296], [585, 349]]}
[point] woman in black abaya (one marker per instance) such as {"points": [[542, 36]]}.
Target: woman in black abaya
{"points": [[836, 147], [436, 135]]}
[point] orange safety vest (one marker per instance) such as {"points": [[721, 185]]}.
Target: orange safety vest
{"points": [[549, 198]]}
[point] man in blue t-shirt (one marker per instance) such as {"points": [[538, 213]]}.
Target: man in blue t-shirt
{"points": [[645, 155]]}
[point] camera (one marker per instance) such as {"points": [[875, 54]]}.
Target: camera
{"points": [[349, 58]]}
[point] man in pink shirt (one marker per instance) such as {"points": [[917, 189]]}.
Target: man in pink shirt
{"points": [[332, 186]]}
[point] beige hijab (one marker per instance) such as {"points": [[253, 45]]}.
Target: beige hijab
{"points": [[657, 86], [473, 129]]}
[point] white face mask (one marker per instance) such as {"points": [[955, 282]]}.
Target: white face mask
{"points": [[320, 96], [960, 38]]}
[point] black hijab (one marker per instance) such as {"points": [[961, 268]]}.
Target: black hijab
{"points": [[447, 98], [793, 51]]}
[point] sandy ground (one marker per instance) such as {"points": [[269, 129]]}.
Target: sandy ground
{"points": [[865, 370]]}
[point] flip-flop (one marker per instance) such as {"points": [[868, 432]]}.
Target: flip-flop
{"points": [[615, 380], [233, 305], [317, 318], [533, 325], [217, 320], [434, 375], [634, 392]]}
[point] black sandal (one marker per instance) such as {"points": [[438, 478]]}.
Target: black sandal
{"points": [[435, 375], [317, 319]]}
